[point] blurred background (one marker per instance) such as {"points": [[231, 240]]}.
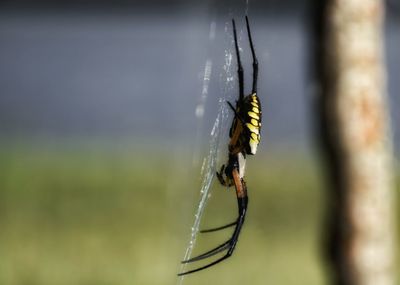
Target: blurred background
{"points": [[101, 148]]}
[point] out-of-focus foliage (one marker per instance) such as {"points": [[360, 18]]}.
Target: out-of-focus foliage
{"points": [[84, 216]]}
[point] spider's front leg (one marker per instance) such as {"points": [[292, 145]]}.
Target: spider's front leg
{"points": [[255, 61], [239, 63]]}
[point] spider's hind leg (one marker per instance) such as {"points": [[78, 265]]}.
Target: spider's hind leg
{"points": [[230, 244], [219, 228]]}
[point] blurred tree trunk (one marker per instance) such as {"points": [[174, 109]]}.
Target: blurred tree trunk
{"points": [[355, 138]]}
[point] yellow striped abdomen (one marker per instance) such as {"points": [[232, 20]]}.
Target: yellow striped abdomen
{"points": [[252, 117]]}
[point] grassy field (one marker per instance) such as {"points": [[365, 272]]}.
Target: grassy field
{"points": [[78, 215]]}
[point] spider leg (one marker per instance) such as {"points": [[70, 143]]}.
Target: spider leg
{"points": [[239, 63], [231, 106], [229, 245], [236, 113], [255, 61], [224, 182], [209, 253], [220, 177], [219, 228], [206, 266]]}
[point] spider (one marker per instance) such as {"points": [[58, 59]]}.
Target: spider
{"points": [[244, 138]]}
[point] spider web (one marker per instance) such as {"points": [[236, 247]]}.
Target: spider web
{"points": [[208, 170], [218, 131]]}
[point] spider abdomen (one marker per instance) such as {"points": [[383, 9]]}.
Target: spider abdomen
{"points": [[245, 129], [252, 116]]}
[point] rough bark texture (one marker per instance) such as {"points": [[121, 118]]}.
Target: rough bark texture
{"points": [[355, 137]]}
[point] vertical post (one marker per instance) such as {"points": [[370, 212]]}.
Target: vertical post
{"points": [[355, 138]]}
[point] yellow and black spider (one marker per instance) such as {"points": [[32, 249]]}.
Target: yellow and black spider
{"points": [[244, 139]]}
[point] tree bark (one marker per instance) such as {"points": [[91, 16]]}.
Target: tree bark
{"points": [[355, 138]]}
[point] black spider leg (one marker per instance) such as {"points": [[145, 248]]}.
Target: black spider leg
{"points": [[255, 61], [230, 244], [219, 228], [239, 63], [236, 113], [242, 198], [221, 177]]}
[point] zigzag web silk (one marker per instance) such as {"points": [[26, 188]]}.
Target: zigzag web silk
{"points": [[217, 136]]}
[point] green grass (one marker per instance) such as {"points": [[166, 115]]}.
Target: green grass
{"points": [[99, 216]]}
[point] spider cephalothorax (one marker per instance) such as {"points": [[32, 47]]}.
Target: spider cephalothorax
{"points": [[244, 139]]}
